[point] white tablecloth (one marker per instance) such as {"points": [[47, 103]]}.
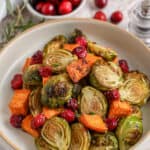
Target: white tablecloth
{"points": [[88, 11]]}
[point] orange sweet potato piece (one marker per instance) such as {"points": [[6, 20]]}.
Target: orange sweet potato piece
{"points": [[26, 126], [26, 64], [19, 102], [93, 122], [119, 109], [70, 47], [49, 113], [44, 80]]}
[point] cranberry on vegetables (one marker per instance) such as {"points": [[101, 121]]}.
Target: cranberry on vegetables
{"points": [[73, 104], [101, 3], [111, 123], [99, 15], [81, 40], [16, 120], [17, 82], [38, 121], [68, 115], [124, 66], [65, 7], [80, 51], [45, 71], [116, 17], [37, 58], [48, 9]]}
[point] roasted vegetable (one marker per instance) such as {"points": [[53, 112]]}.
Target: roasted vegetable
{"points": [[92, 101], [136, 88], [56, 132], [31, 77], [80, 137], [106, 75], [106, 141], [129, 131], [55, 44], [34, 102], [57, 91], [136, 111], [58, 60], [106, 53]]}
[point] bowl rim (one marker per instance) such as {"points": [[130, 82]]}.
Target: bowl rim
{"points": [[5, 50], [36, 13]]}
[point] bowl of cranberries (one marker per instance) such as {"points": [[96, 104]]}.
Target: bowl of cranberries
{"points": [[54, 9]]}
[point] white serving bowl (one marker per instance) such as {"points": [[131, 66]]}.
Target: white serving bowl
{"points": [[24, 45], [41, 16]]}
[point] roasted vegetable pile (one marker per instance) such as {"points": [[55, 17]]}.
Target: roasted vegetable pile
{"points": [[78, 95]]}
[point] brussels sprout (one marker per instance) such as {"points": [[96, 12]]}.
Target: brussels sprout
{"points": [[31, 76], [41, 144], [136, 111], [106, 75], [129, 131], [58, 60], [55, 44], [34, 102], [80, 137], [56, 132], [106, 141], [57, 91], [136, 88], [106, 53], [92, 101]]}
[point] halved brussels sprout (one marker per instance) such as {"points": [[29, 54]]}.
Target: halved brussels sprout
{"points": [[58, 60], [56, 132], [55, 44], [31, 76], [41, 144], [136, 88], [129, 131], [136, 111], [34, 102], [106, 141], [106, 75], [80, 137], [106, 53], [57, 91], [92, 101]]}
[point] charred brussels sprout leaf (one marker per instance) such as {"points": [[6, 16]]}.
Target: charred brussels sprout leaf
{"points": [[129, 131], [31, 76], [80, 137], [41, 144], [92, 101], [136, 111], [136, 88], [58, 60], [55, 44], [106, 141], [106, 75], [76, 90], [56, 132], [107, 53], [34, 102], [57, 91]]}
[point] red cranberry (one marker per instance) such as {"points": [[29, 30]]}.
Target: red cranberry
{"points": [[16, 82], [112, 95], [124, 66], [101, 3], [81, 52], [48, 9], [75, 2], [38, 121], [37, 58], [55, 2], [116, 17], [100, 16], [65, 7], [16, 120], [68, 114], [73, 104], [111, 123], [45, 71], [39, 6], [81, 40]]}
